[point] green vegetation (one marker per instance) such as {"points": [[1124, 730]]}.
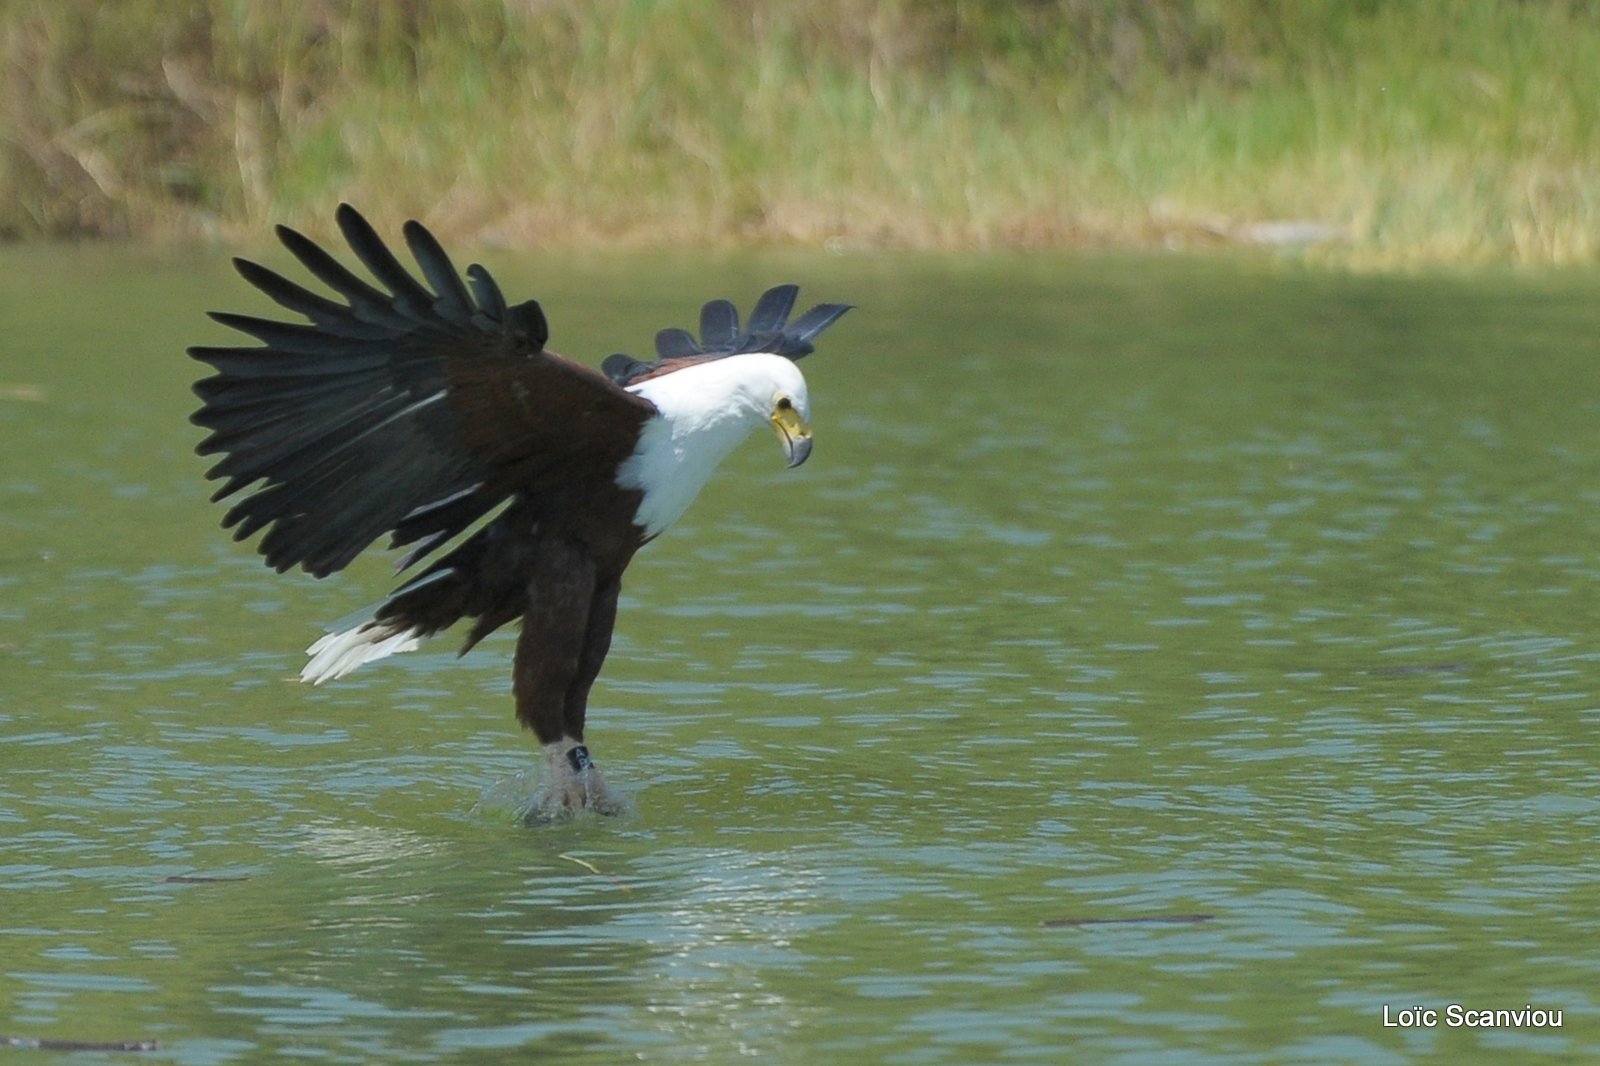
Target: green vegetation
{"points": [[1408, 131]]}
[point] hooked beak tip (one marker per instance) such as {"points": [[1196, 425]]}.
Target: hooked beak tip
{"points": [[797, 450]]}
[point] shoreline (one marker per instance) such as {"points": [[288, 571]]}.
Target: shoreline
{"points": [[1447, 134]]}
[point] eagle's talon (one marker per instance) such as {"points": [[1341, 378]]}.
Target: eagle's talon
{"points": [[576, 784]]}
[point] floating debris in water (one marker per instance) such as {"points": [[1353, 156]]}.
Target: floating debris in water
{"points": [[78, 1045], [592, 868]]}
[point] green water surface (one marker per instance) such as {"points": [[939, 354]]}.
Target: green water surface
{"points": [[1116, 590]]}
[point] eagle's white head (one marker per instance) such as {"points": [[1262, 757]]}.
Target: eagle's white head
{"points": [[704, 411]]}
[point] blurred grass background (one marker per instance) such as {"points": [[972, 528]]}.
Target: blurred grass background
{"points": [[1387, 132]]}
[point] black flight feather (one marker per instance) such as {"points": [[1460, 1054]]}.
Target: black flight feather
{"points": [[454, 303], [329, 314], [674, 343], [622, 368], [491, 301], [413, 411], [719, 323], [720, 336], [409, 296], [526, 322], [288, 339], [814, 321], [366, 302], [772, 310]]}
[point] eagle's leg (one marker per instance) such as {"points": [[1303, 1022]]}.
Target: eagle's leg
{"points": [[571, 755], [551, 664], [596, 643]]}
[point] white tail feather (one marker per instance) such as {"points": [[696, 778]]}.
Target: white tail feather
{"points": [[338, 653]]}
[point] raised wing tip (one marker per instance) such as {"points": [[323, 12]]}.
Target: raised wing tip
{"points": [[620, 367]]}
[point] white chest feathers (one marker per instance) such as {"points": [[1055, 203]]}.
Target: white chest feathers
{"points": [[704, 412]]}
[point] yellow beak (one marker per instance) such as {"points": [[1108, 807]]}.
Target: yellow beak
{"points": [[793, 434]]}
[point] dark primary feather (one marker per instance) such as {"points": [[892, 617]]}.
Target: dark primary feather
{"points": [[772, 310], [623, 368], [768, 330], [409, 409], [407, 294], [454, 302], [330, 315], [806, 328], [526, 322], [366, 303], [490, 300], [676, 343], [719, 324]]}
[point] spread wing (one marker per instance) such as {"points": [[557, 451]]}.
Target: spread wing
{"points": [[409, 409], [769, 330]]}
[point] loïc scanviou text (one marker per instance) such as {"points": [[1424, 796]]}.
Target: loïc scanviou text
{"points": [[1456, 1016]]}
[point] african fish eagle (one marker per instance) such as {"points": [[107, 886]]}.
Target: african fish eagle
{"points": [[424, 409]]}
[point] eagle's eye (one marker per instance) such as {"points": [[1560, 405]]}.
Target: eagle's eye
{"points": [[784, 404]]}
